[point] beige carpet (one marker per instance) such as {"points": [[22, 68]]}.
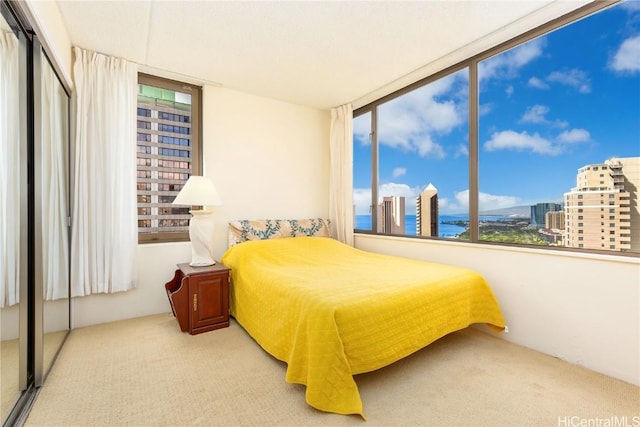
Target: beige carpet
{"points": [[145, 372], [10, 365]]}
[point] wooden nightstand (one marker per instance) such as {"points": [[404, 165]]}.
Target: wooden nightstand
{"points": [[199, 297]]}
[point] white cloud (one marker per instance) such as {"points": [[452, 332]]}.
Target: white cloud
{"points": [[574, 135], [427, 148], [462, 151], [401, 190], [511, 140], [486, 202], [538, 83], [399, 172], [631, 6], [508, 63], [574, 78], [484, 109], [523, 141], [509, 91], [362, 200], [535, 114], [413, 121], [444, 206], [627, 58], [396, 189], [459, 203], [362, 128], [362, 196]]}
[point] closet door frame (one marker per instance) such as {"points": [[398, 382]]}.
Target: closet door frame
{"points": [[36, 243]]}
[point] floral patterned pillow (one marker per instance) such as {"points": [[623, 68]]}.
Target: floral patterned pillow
{"points": [[262, 229]]}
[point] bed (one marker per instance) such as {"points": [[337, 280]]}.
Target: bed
{"points": [[331, 311]]}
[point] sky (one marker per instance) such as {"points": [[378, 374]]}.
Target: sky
{"points": [[547, 108]]}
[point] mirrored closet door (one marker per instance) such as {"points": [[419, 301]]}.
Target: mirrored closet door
{"points": [[51, 157], [34, 212]]}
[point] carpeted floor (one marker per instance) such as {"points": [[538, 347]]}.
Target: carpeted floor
{"points": [[145, 372], [10, 365]]}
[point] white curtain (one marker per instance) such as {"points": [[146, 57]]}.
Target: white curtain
{"points": [[55, 240], [341, 179], [104, 233], [9, 171]]}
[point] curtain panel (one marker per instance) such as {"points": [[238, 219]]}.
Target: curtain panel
{"points": [[104, 231], [341, 175], [55, 235], [9, 171]]}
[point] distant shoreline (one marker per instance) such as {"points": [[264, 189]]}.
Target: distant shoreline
{"points": [[450, 226]]}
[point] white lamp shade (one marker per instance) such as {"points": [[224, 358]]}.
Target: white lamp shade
{"points": [[198, 191]]}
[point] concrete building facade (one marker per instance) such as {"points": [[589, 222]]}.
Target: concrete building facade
{"points": [[391, 215], [427, 212], [601, 212]]}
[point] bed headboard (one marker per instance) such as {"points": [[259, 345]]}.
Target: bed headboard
{"points": [[262, 229]]}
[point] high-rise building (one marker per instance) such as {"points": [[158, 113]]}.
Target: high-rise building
{"points": [[539, 210], [553, 231], [391, 215], [427, 212], [164, 158], [601, 212], [554, 220]]}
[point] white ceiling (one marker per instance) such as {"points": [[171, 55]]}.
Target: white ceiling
{"points": [[321, 54]]}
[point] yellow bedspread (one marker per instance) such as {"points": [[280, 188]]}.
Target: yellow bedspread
{"points": [[331, 311]]}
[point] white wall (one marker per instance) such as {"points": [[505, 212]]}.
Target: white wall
{"points": [[156, 264], [49, 25], [268, 159], [581, 308]]}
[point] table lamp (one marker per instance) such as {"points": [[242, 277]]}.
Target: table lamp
{"points": [[200, 192]]}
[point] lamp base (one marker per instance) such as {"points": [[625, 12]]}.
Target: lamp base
{"points": [[192, 264], [201, 235]]}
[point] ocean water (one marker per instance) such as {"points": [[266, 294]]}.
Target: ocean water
{"points": [[363, 222]]}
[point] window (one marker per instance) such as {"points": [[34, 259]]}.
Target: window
{"points": [[550, 107], [416, 132], [168, 118]]}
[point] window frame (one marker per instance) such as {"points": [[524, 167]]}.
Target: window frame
{"points": [[472, 64], [196, 145]]}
